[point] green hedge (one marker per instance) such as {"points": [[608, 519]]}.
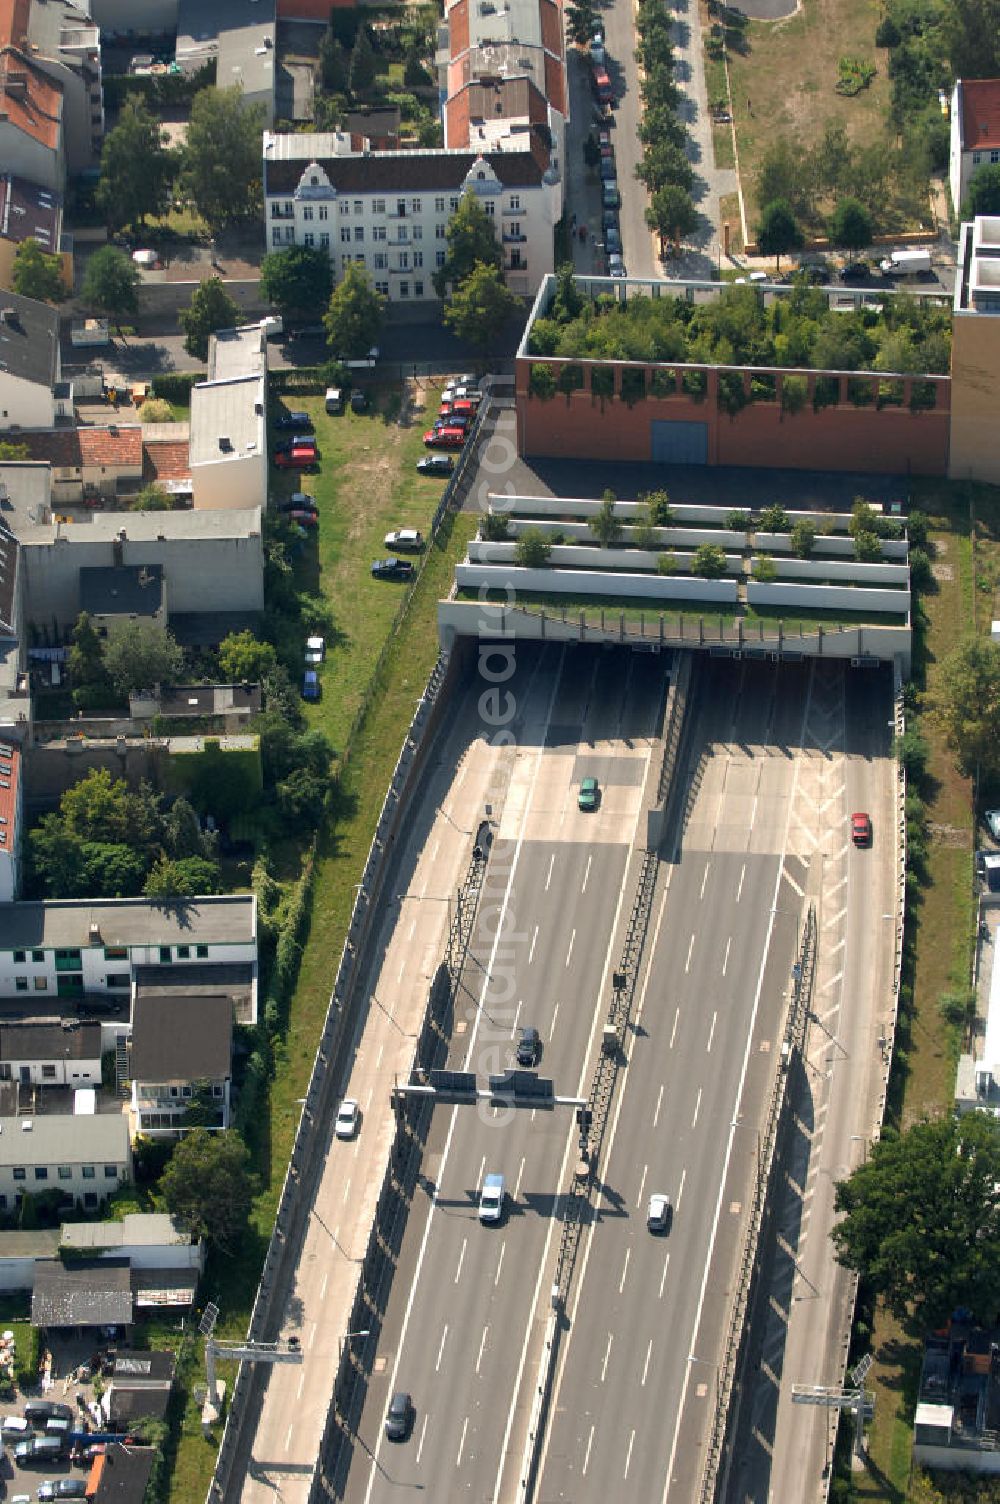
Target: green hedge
{"points": [[176, 386]]}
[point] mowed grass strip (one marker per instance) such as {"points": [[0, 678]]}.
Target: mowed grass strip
{"points": [[362, 496], [942, 924]]}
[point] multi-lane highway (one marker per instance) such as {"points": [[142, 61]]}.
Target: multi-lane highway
{"points": [[456, 1334]]}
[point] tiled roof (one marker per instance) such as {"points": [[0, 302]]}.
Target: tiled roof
{"points": [[10, 777], [29, 339], [31, 101], [120, 1475], [14, 16], [980, 113], [490, 101], [74, 448], [458, 27], [406, 171], [166, 459]]}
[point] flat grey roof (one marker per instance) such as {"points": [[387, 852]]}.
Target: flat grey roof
{"points": [[104, 527], [85, 1293], [234, 353], [121, 589], [42, 1243], [137, 1229], [55, 1137], [227, 409], [181, 1038], [62, 1039], [229, 919]]}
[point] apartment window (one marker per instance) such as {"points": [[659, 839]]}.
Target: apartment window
{"points": [[21, 984], [3, 1203], [309, 238], [515, 201], [276, 235], [404, 261], [490, 208], [183, 952], [418, 260], [418, 289], [404, 289], [380, 261], [20, 1173], [359, 207], [116, 953], [116, 979], [307, 212], [439, 258], [439, 206], [65, 1173], [20, 956], [378, 233], [48, 1073], [90, 1198], [418, 232], [416, 206], [345, 207], [165, 956], [360, 258], [41, 984], [38, 956], [324, 240], [324, 212], [345, 234], [378, 206], [41, 1172], [359, 234], [88, 1172], [289, 206], [201, 951], [515, 228], [111, 1172], [383, 288], [977, 157], [440, 232], [453, 204], [401, 207], [994, 157]]}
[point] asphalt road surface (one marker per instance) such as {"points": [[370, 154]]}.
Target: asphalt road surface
{"points": [[457, 1328]]}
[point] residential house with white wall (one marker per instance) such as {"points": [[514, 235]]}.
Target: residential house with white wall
{"points": [[64, 43], [180, 1063], [389, 211], [32, 143], [228, 441], [88, 1157], [29, 359], [975, 133], [50, 1052]]}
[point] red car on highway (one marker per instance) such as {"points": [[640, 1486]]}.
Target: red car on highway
{"points": [[861, 829]]}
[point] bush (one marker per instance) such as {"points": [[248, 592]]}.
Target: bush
{"points": [[175, 386], [739, 522], [532, 549], [764, 569], [709, 561], [570, 379], [156, 410], [542, 382], [803, 537], [912, 753], [774, 519], [495, 527], [867, 547], [657, 503], [667, 562], [794, 393]]}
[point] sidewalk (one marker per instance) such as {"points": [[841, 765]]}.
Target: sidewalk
{"points": [[711, 183]]}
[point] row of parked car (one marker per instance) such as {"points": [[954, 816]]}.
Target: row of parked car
{"points": [[459, 405]]}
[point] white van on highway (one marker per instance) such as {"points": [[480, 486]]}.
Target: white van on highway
{"points": [[491, 1198]]}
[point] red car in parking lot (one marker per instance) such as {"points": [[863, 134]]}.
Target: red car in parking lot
{"points": [[298, 458], [444, 438]]}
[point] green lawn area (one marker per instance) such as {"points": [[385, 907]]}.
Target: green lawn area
{"points": [[366, 485], [615, 606]]}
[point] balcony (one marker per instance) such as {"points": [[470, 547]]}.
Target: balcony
{"points": [[277, 212], [518, 239]]}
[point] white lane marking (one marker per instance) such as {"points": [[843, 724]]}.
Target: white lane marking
{"points": [[704, 880], [548, 875], [642, 1182], [437, 848], [570, 951], [645, 1366], [461, 1444], [673, 1031], [365, 1109], [461, 1260], [753, 812], [711, 1032], [663, 1276], [413, 927], [444, 1334], [302, 1383], [739, 890], [479, 1177], [347, 1188], [322, 1288], [628, 1458], [680, 1192], [586, 1455], [793, 792], [621, 1283], [312, 1335], [586, 875], [402, 968], [482, 1346], [423, 1433], [517, 1186], [531, 952], [725, 959], [517, 1015], [697, 1109], [659, 1104], [378, 1058], [496, 1277], [288, 1437], [687, 963], [552, 1026], [607, 1355]]}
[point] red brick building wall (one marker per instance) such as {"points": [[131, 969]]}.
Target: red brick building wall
{"points": [[888, 440]]}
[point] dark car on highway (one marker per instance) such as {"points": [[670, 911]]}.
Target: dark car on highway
{"points": [[399, 1416], [527, 1047]]}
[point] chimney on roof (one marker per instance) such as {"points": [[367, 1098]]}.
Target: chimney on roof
{"points": [[94, 932]]}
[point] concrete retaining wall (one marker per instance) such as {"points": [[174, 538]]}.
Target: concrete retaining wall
{"points": [[661, 588], [842, 569], [587, 506], [781, 543], [684, 537], [566, 556], [828, 598]]}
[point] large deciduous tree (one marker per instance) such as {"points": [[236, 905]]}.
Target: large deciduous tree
{"points": [[211, 309], [672, 213], [137, 168], [110, 284], [221, 168], [471, 238], [297, 280], [481, 306], [922, 1218], [139, 654], [207, 1184], [968, 705], [778, 232], [983, 196], [36, 274], [850, 226], [355, 315]]}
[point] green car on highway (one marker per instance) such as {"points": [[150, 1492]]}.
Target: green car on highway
{"points": [[587, 798]]}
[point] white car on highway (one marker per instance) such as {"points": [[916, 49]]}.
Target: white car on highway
{"points": [[658, 1213], [491, 1198], [348, 1118]]}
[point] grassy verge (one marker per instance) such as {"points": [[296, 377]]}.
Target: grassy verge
{"points": [[729, 213], [940, 936], [783, 85], [615, 606], [366, 485]]}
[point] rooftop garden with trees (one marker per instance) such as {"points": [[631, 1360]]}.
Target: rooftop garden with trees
{"points": [[798, 329]]}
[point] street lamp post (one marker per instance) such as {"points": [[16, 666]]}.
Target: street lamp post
{"points": [[348, 1337]]}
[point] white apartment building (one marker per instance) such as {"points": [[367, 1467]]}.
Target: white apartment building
{"points": [[390, 210]]}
